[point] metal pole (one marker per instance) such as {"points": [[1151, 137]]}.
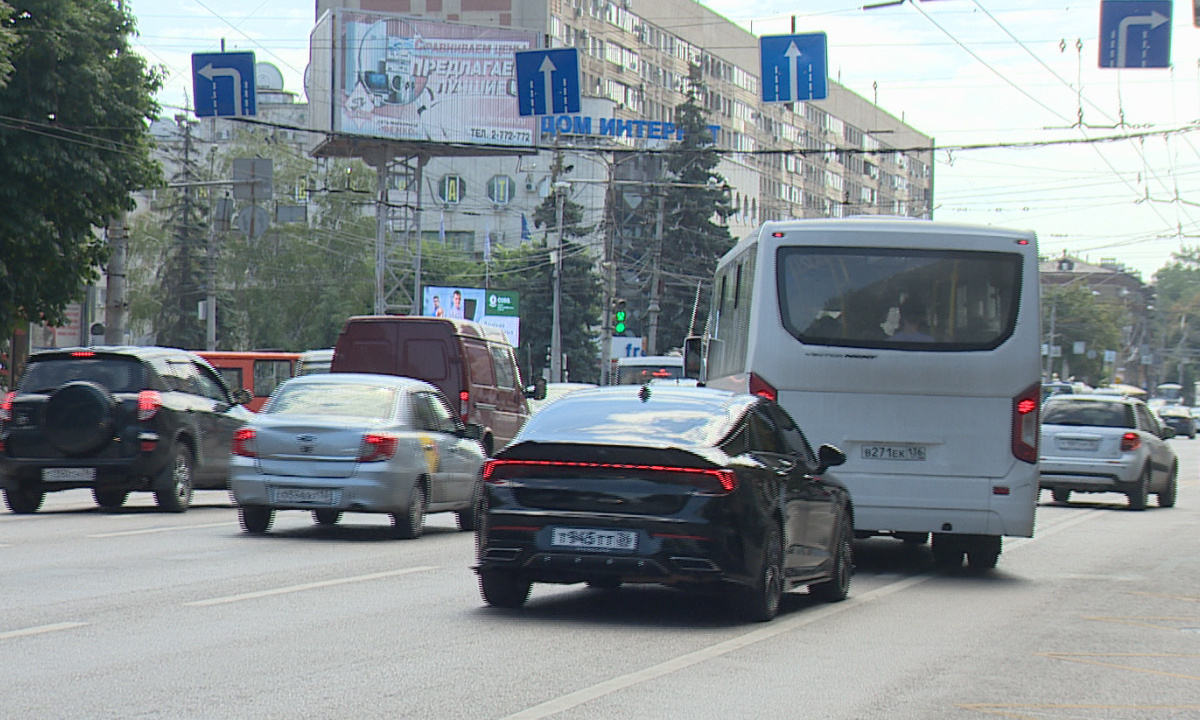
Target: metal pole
{"points": [[380, 235], [656, 278], [609, 270], [556, 319], [115, 305]]}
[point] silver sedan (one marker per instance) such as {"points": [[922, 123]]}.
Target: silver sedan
{"points": [[348, 442]]}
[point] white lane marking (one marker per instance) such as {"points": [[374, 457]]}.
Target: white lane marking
{"points": [[41, 629], [171, 528], [308, 586], [579, 697]]}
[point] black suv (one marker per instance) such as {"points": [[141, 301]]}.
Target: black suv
{"points": [[116, 420]]}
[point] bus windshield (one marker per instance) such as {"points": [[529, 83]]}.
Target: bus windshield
{"points": [[905, 299]]}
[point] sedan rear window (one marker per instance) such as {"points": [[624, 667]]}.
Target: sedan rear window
{"points": [[117, 374], [1087, 413], [340, 399], [625, 420]]}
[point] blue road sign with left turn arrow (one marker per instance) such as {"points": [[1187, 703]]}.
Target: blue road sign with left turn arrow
{"points": [[794, 67], [224, 84], [548, 81], [1135, 33]]}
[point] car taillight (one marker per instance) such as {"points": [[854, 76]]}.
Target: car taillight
{"points": [[6, 407], [710, 480], [1130, 441], [762, 388], [464, 404], [83, 354], [1026, 414], [376, 447], [243, 442], [149, 401]]}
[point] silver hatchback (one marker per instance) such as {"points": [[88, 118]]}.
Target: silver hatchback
{"points": [[1106, 443], [348, 442]]}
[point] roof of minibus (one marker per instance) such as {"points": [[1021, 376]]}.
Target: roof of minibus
{"points": [[882, 224]]}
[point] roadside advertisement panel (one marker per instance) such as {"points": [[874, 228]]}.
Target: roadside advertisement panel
{"points": [[407, 78], [495, 308]]}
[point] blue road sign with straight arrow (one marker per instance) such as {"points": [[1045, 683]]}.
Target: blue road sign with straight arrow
{"points": [[548, 81], [1135, 33], [794, 67], [224, 84]]}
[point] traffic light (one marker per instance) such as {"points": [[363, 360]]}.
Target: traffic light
{"points": [[619, 316]]}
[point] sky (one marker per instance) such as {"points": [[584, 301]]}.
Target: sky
{"points": [[1032, 134]]}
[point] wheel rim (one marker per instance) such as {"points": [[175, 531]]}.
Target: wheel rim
{"points": [[416, 515], [181, 475], [772, 577]]}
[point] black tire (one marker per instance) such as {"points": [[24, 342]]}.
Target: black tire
{"points": [[838, 586], [256, 519], [760, 601], [410, 524], [1166, 498], [79, 418], [23, 499], [1139, 496], [1060, 495], [110, 499], [174, 486], [468, 519], [326, 516], [504, 589], [948, 551], [983, 552]]}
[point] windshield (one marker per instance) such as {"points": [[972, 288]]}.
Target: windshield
{"points": [[663, 417], [642, 374], [1087, 413], [896, 298]]}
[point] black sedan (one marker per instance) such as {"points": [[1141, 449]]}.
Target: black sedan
{"points": [[683, 486]]}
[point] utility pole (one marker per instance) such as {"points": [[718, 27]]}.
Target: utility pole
{"points": [[115, 305], [656, 277], [608, 268], [556, 315]]}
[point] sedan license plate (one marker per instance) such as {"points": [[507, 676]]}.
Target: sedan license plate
{"points": [[893, 452], [68, 474], [594, 539], [304, 496], [1077, 444]]}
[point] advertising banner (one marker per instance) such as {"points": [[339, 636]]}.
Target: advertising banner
{"points": [[495, 308], [407, 78]]}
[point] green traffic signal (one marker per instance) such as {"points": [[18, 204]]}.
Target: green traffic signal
{"points": [[619, 316]]}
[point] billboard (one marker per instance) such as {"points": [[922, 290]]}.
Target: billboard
{"points": [[404, 78], [496, 308]]}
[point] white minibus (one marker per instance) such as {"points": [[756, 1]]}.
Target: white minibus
{"points": [[914, 347]]}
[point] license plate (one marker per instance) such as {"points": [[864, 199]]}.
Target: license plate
{"points": [[68, 474], [893, 452], [1077, 444], [594, 539], [304, 496]]}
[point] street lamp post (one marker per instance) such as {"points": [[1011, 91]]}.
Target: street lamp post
{"points": [[560, 190]]}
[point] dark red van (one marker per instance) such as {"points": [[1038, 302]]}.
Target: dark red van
{"points": [[472, 364]]}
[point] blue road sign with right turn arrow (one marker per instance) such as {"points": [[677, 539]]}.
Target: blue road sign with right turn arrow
{"points": [[224, 84], [1135, 33], [548, 81], [793, 67]]}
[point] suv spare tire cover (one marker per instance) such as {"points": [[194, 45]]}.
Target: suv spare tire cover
{"points": [[79, 418]]}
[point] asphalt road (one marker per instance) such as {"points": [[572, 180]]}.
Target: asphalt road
{"points": [[140, 614]]}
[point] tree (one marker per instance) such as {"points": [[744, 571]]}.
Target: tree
{"points": [[695, 207], [74, 145], [1177, 330], [182, 273], [1072, 314]]}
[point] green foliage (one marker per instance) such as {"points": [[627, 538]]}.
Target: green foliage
{"points": [[1177, 316], [74, 143], [694, 232], [1071, 314]]}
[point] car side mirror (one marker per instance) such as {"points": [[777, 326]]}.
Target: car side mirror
{"points": [[536, 391], [241, 396], [1168, 432], [829, 456], [693, 356], [472, 431]]}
